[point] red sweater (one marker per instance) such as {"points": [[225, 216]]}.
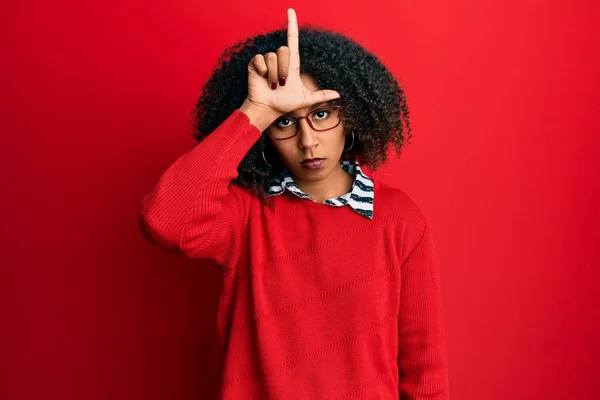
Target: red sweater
{"points": [[318, 302]]}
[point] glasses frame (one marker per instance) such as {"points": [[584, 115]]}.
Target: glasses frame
{"points": [[298, 118]]}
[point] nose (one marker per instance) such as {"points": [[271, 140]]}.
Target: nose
{"points": [[307, 137]]}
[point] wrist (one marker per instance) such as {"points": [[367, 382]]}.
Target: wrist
{"points": [[260, 116]]}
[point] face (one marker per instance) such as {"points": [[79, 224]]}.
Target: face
{"points": [[310, 144]]}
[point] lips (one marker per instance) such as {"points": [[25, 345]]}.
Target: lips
{"points": [[313, 163], [309, 160]]}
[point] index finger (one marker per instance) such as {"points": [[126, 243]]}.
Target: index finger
{"points": [[292, 31]]}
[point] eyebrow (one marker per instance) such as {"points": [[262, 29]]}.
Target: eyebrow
{"points": [[314, 106]]}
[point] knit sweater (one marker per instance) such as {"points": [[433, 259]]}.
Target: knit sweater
{"points": [[318, 302]]}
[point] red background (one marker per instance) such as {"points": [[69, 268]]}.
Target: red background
{"points": [[96, 98]]}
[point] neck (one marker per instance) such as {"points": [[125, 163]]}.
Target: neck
{"points": [[337, 183]]}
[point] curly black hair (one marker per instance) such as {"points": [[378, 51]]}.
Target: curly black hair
{"points": [[374, 104]]}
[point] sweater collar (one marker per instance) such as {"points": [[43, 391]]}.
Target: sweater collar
{"points": [[360, 197]]}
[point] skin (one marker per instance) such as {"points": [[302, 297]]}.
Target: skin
{"points": [[270, 97]]}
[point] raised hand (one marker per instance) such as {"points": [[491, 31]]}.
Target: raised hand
{"points": [[274, 82]]}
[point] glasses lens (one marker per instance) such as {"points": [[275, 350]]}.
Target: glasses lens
{"points": [[324, 118], [283, 128]]}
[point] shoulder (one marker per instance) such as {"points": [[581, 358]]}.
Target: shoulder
{"points": [[243, 198], [406, 221], [396, 208], [394, 203]]}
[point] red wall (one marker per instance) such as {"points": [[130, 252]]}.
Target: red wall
{"points": [[96, 98]]}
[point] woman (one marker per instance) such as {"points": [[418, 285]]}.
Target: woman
{"points": [[330, 283]]}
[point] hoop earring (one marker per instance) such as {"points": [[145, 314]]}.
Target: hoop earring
{"points": [[265, 158], [352, 142]]}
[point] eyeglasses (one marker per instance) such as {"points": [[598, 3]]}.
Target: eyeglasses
{"points": [[322, 119]]}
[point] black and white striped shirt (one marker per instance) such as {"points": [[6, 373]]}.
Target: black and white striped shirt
{"points": [[360, 197]]}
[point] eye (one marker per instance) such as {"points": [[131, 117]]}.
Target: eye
{"points": [[285, 122], [321, 114]]}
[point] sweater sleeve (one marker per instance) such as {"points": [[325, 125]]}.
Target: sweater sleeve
{"points": [[194, 208], [422, 361]]}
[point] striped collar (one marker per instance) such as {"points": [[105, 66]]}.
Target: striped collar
{"points": [[360, 197]]}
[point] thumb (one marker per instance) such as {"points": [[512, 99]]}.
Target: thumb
{"points": [[320, 96]]}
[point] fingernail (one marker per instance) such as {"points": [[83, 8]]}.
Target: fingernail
{"points": [[274, 85], [282, 81]]}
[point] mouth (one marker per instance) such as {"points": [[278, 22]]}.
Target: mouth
{"points": [[310, 160], [313, 163]]}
